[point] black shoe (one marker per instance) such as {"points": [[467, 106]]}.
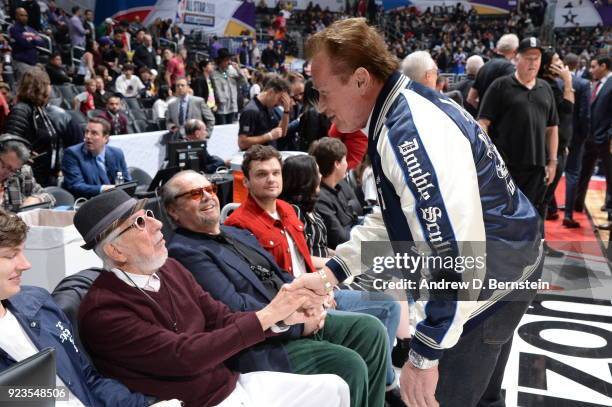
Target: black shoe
{"points": [[399, 354], [550, 252], [552, 216], [570, 223], [393, 398]]}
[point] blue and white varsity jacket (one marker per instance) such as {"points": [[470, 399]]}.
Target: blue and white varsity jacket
{"points": [[441, 182]]}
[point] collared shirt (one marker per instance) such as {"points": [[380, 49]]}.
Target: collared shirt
{"points": [[142, 281], [297, 260], [601, 83]]}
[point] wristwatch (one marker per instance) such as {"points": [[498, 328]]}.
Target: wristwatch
{"points": [[420, 362]]}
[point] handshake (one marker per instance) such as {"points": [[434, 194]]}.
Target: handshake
{"points": [[301, 302]]}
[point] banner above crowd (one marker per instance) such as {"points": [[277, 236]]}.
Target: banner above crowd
{"points": [[481, 6], [332, 5], [222, 17], [581, 13]]}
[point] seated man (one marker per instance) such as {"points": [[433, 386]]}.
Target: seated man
{"points": [[195, 130], [18, 187], [186, 107], [113, 114], [259, 121], [149, 324], [92, 166], [127, 83], [86, 101], [30, 321], [338, 210], [57, 73], [276, 225], [231, 265]]}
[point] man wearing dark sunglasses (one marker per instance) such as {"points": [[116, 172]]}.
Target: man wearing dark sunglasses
{"points": [[147, 323], [235, 269]]}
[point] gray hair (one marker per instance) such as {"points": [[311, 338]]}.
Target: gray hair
{"points": [[20, 149], [507, 43], [107, 262], [417, 64], [193, 125], [473, 64]]}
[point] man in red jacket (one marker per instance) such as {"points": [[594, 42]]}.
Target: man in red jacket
{"points": [[147, 323]]}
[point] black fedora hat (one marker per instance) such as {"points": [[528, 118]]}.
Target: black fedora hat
{"points": [[223, 53], [99, 216]]}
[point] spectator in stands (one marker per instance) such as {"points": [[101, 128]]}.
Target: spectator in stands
{"points": [[113, 114], [259, 122], [175, 65], [255, 52], [597, 145], [24, 40], [257, 78], [356, 144], [186, 107], [553, 71], [500, 65], [420, 67], [526, 102], [334, 204], [90, 59], [5, 104], [18, 187], [215, 46], [90, 26], [279, 50], [160, 106], [240, 273], [203, 85], [149, 89], [177, 342], [144, 54], [313, 125], [23, 338], [77, 31], [580, 132], [55, 70], [100, 95], [195, 130], [85, 101], [92, 167], [127, 83], [268, 56], [472, 66], [227, 79], [49, 128], [278, 229]]}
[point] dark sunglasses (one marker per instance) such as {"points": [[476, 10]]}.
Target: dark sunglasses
{"points": [[196, 194], [140, 222]]}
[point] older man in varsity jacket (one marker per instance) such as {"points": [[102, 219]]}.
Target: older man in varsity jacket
{"points": [[440, 183]]}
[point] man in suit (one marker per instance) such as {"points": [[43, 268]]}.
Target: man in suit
{"points": [[195, 130], [114, 116], [92, 166], [581, 129], [235, 269], [598, 144], [187, 107], [144, 55]]}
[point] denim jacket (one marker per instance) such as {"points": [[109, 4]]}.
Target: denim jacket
{"points": [[47, 326]]}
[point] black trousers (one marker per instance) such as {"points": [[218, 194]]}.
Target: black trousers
{"points": [[532, 183], [592, 152], [549, 197]]}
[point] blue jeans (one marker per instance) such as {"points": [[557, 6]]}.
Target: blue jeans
{"points": [[380, 306]]}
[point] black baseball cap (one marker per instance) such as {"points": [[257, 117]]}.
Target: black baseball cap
{"points": [[529, 43]]}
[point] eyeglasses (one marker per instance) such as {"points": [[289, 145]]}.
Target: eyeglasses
{"points": [[140, 222], [196, 194]]}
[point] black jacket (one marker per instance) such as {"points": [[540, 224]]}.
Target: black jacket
{"points": [[338, 214], [25, 121], [57, 75], [142, 57]]}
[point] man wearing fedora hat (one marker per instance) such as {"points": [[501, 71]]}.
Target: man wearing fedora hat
{"points": [[147, 323], [227, 80]]}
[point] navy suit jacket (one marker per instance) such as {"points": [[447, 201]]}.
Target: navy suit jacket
{"points": [[81, 175], [601, 114], [582, 111], [229, 279]]}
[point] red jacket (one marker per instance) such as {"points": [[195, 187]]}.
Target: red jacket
{"points": [[356, 145], [271, 232]]}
